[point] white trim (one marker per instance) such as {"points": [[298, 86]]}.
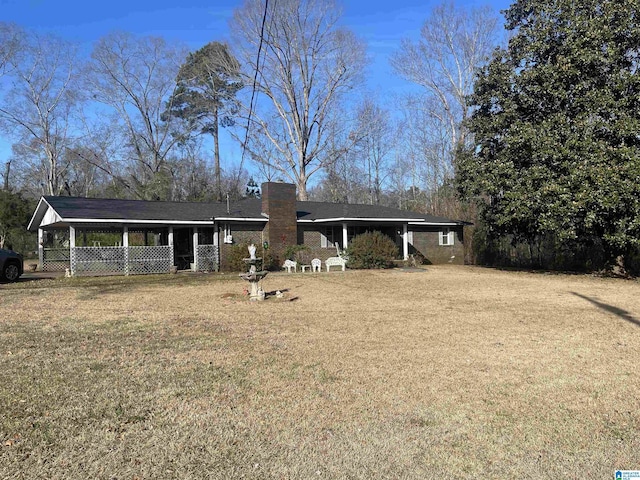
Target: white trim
{"points": [[72, 247], [35, 213], [49, 217], [247, 219], [449, 235], [228, 236], [363, 219], [172, 261], [72, 237], [344, 236], [240, 219], [405, 241], [195, 249], [41, 247], [436, 224], [125, 244], [153, 222]]}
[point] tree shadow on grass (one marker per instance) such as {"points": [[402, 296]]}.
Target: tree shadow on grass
{"points": [[623, 314]]}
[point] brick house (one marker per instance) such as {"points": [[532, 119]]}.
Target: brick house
{"points": [[94, 236]]}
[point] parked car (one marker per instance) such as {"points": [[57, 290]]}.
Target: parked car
{"points": [[11, 265]]}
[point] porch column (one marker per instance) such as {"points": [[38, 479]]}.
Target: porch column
{"points": [[72, 250], [405, 241], [195, 249], [216, 244], [344, 236], [125, 246], [171, 259], [41, 248], [216, 236]]}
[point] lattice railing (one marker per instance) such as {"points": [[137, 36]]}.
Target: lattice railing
{"points": [[55, 259], [150, 259], [98, 260], [207, 258], [120, 260]]}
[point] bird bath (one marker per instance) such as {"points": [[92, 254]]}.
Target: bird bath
{"points": [[253, 276]]}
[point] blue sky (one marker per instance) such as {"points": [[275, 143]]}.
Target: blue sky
{"points": [[380, 23]]}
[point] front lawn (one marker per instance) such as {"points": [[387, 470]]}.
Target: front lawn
{"points": [[453, 372]]}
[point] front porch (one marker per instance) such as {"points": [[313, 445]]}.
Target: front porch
{"points": [[322, 239], [125, 250]]}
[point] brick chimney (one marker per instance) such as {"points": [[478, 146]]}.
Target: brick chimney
{"points": [[279, 203]]}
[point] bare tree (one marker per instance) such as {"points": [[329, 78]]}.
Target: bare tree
{"points": [[306, 66], [454, 43], [10, 38], [377, 137], [135, 77], [37, 110]]}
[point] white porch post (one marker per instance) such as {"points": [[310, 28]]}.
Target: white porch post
{"points": [[405, 241], [41, 248], [216, 236], [171, 259], [195, 249], [125, 246], [344, 236], [216, 244], [72, 250]]}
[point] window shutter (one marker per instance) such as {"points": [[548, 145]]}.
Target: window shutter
{"points": [[323, 240], [451, 237], [410, 236]]}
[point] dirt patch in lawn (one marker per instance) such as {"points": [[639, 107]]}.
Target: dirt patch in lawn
{"points": [[458, 372]]}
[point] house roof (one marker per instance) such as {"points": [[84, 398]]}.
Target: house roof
{"points": [[66, 210]]}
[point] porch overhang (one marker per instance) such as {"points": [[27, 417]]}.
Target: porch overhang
{"points": [[361, 219]]}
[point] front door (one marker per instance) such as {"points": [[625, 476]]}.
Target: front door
{"points": [[183, 247]]}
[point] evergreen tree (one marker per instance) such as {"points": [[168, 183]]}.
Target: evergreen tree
{"points": [[15, 212], [205, 95], [557, 126]]}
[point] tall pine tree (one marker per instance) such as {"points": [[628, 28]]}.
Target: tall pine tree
{"points": [[205, 95], [557, 126]]}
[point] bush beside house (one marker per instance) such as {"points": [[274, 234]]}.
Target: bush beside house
{"points": [[372, 250]]}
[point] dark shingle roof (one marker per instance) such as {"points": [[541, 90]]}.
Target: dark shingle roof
{"points": [[325, 210], [103, 209], [76, 208]]}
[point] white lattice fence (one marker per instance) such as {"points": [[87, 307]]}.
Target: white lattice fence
{"points": [[55, 259], [120, 260], [207, 258], [98, 260], [149, 259]]}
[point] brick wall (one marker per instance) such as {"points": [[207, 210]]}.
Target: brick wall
{"points": [[311, 238], [241, 233], [426, 240]]}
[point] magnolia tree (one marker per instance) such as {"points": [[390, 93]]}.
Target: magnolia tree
{"points": [[555, 121]]}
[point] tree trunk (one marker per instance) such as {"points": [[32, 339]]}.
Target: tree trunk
{"points": [[216, 157], [7, 171]]}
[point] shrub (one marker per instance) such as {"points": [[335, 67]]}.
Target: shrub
{"points": [[372, 250], [298, 253], [236, 255], [240, 251]]}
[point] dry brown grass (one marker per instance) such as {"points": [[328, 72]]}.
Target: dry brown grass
{"points": [[456, 372]]}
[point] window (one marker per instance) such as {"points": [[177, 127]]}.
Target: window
{"points": [[446, 237], [330, 236], [227, 238]]}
